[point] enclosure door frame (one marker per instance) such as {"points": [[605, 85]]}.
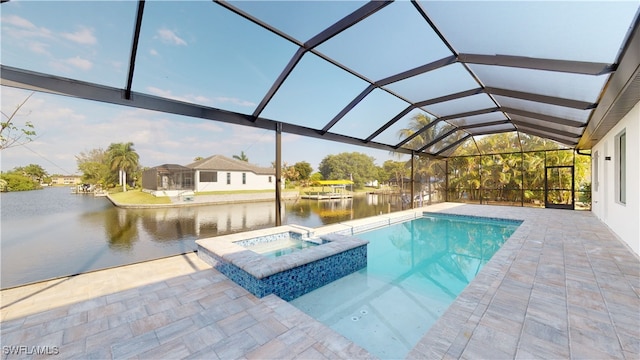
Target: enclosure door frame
{"points": [[548, 188]]}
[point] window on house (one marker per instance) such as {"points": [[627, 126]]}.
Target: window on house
{"points": [[244, 178], [228, 178], [270, 179], [596, 171], [208, 176], [621, 164]]}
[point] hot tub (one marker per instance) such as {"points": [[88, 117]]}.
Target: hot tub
{"points": [[305, 262], [279, 244]]}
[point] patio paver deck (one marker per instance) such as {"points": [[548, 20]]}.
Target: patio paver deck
{"points": [[563, 286]]}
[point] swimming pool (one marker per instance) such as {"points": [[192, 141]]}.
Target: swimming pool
{"points": [[415, 270]]}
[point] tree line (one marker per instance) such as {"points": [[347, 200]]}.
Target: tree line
{"points": [[506, 166], [117, 165], [24, 178]]}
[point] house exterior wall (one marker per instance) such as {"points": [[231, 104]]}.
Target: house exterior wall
{"points": [[253, 181], [66, 180], [622, 218]]}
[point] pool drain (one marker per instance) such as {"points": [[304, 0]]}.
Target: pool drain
{"points": [[364, 312], [355, 318]]}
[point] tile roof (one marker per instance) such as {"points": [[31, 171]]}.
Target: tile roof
{"points": [[219, 162]]}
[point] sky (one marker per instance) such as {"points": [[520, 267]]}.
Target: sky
{"points": [[199, 52], [92, 44], [66, 127]]}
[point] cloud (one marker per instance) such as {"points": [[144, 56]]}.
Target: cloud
{"points": [[21, 28], [153, 52], [165, 94], [117, 65], [38, 48], [200, 99], [83, 36], [169, 37], [18, 21], [207, 126], [67, 126], [234, 101], [197, 99], [79, 63]]}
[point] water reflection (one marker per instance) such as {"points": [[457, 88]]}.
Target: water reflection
{"points": [[463, 249], [314, 213], [52, 233]]}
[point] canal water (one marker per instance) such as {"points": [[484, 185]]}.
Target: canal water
{"points": [[51, 233]]}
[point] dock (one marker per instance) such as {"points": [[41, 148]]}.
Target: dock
{"points": [[325, 196]]}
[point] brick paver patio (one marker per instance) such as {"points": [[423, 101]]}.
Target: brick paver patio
{"points": [[563, 286]]}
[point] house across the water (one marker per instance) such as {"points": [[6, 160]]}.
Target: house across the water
{"points": [[215, 173]]}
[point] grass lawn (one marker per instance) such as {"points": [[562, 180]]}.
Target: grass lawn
{"points": [[139, 197]]}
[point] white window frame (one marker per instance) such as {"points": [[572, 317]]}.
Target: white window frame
{"points": [[596, 171], [620, 153]]}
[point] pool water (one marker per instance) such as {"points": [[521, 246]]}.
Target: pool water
{"points": [[280, 247], [415, 270]]}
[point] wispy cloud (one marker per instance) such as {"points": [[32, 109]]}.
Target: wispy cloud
{"points": [[200, 99], [21, 28], [43, 41], [167, 94], [79, 63], [153, 52], [169, 37], [235, 101], [83, 35], [190, 98], [18, 21], [39, 48]]}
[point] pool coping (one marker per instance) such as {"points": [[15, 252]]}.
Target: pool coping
{"points": [[260, 266], [341, 239]]}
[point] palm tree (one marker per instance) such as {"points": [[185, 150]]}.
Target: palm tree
{"points": [[123, 157], [241, 157], [418, 122]]}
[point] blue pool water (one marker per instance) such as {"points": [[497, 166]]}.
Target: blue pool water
{"points": [[415, 270], [280, 247]]}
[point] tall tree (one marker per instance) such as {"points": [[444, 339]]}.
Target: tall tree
{"points": [[396, 170], [289, 173], [241, 157], [35, 172], [95, 167], [304, 170], [123, 157], [356, 166]]}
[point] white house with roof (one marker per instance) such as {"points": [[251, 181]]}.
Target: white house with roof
{"points": [[220, 173]]}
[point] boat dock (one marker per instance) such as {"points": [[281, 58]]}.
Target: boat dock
{"points": [[325, 196]]}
